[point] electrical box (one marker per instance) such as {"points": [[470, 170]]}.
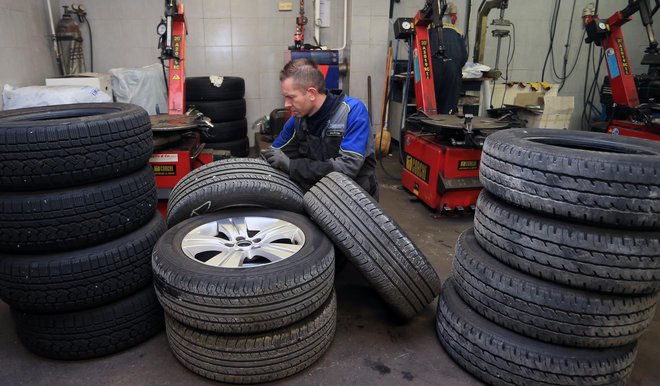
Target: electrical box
{"points": [[285, 6]]}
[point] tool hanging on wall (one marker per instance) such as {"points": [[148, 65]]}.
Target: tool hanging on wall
{"points": [[383, 137], [499, 34], [299, 35], [69, 44], [81, 14]]}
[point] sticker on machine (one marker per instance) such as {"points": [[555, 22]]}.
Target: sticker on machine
{"points": [[417, 167], [164, 170], [470, 164], [164, 157]]}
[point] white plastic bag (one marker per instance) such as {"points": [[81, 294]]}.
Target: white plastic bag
{"points": [[33, 96], [144, 87]]}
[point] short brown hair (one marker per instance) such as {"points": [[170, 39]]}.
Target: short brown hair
{"points": [[305, 73]]}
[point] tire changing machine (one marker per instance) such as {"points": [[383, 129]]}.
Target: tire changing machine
{"points": [[441, 153], [642, 120], [178, 147]]}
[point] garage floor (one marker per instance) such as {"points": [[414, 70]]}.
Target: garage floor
{"points": [[370, 347]]}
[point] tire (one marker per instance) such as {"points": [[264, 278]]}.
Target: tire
{"points": [[93, 332], [237, 148], [86, 278], [226, 131], [221, 111], [67, 145], [587, 257], [544, 310], [498, 356], [243, 295], [200, 88], [588, 177], [230, 183], [255, 358], [68, 219], [374, 242]]}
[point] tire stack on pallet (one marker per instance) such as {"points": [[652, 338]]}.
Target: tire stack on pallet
{"points": [[221, 99], [249, 292], [78, 223], [558, 278]]}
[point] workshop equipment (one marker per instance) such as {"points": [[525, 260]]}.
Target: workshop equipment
{"points": [[299, 35], [499, 34], [383, 136], [172, 43], [442, 157], [441, 152], [608, 34], [178, 150], [69, 44], [178, 147]]}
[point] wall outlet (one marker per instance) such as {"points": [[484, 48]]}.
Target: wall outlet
{"points": [[285, 6]]}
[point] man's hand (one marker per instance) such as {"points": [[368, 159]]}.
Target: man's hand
{"points": [[276, 158]]}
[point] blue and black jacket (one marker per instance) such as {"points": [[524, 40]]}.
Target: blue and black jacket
{"points": [[336, 138]]}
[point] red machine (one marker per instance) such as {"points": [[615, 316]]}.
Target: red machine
{"points": [[608, 34], [172, 31], [442, 152], [177, 140]]}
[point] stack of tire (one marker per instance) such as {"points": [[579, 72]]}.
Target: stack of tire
{"points": [[78, 223], [247, 280], [221, 99], [558, 278]]}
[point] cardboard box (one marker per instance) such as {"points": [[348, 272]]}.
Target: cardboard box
{"points": [[545, 111], [101, 81]]}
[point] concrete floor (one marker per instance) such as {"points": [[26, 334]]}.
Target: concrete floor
{"points": [[370, 347]]}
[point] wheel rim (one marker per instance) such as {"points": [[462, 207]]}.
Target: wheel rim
{"points": [[243, 242]]}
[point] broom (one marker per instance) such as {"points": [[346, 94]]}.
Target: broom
{"points": [[383, 137]]}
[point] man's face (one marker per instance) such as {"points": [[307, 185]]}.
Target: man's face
{"points": [[299, 102]]}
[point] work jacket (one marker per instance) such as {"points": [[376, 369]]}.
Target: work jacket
{"points": [[342, 143]]}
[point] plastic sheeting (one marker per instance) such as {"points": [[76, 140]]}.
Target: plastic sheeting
{"points": [[144, 87]]}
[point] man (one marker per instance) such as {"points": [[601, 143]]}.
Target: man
{"points": [[447, 70], [328, 131]]}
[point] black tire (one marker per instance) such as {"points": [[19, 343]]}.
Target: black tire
{"points": [[226, 131], [498, 356], [200, 88], [237, 148], [374, 242], [221, 111], [593, 258], [545, 310], [66, 145], [93, 332], [247, 298], [80, 279], [590, 177], [230, 183], [255, 358], [68, 219]]}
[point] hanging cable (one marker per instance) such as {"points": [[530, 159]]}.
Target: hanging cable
{"points": [[563, 76], [509, 60], [553, 29]]}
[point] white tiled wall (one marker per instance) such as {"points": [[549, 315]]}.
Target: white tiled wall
{"points": [[249, 38], [25, 43]]}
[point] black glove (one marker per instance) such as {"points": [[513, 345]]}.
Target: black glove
{"points": [[277, 159]]}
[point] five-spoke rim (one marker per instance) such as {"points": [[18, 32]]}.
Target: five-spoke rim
{"points": [[243, 242]]}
